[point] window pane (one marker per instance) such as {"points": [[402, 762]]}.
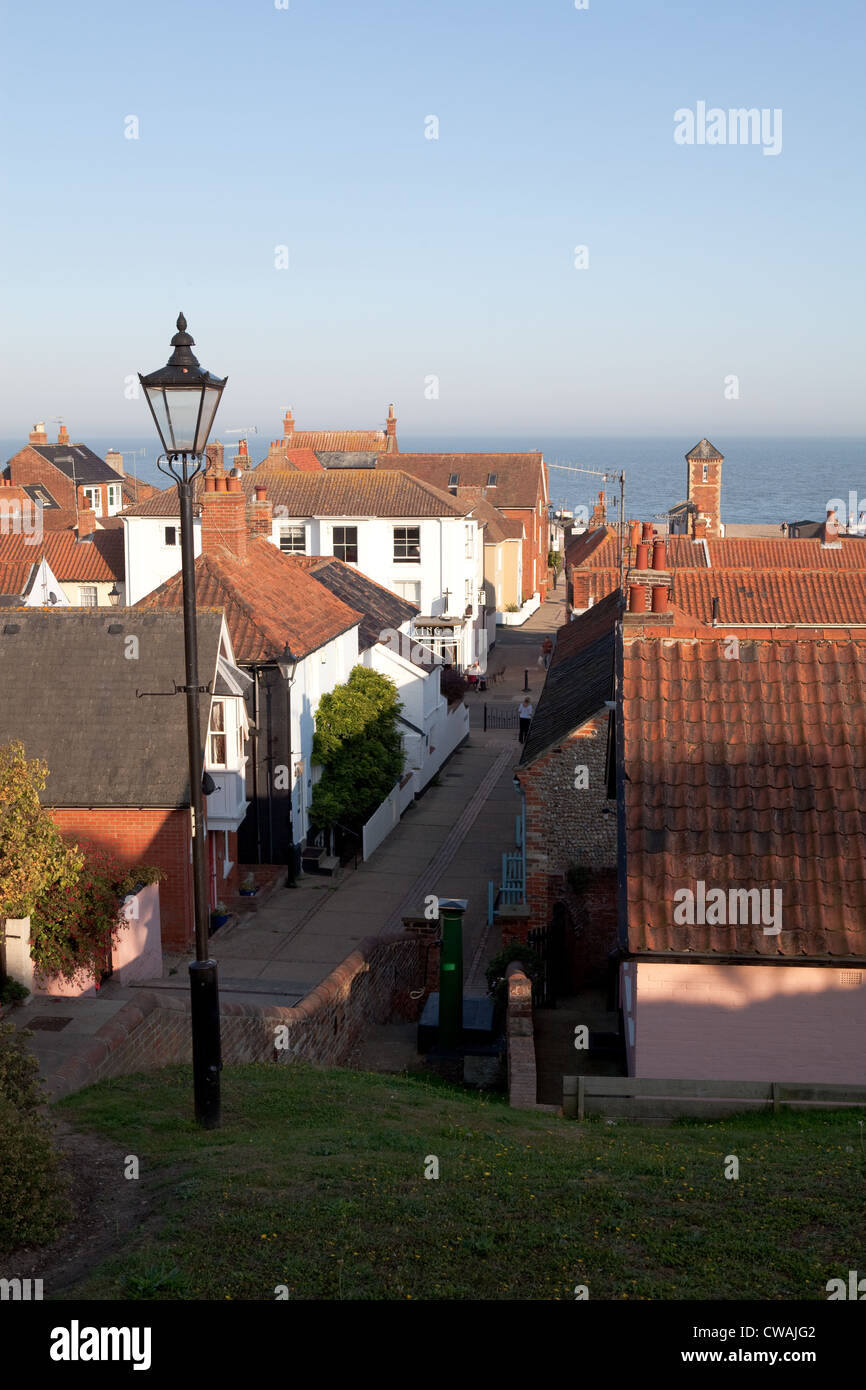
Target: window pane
{"points": [[218, 749], [217, 716]]}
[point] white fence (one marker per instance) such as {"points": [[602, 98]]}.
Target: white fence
{"points": [[382, 822]]}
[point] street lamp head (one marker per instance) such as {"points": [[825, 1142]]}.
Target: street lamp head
{"points": [[183, 398], [287, 664], [114, 595]]}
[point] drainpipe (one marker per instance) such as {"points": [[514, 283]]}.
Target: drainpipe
{"points": [[270, 762], [256, 736]]}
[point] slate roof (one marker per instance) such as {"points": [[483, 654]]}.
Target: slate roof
{"points": [[336, 492], [579, 679], [519, 477], [88, 467], [744, 774], [68, 692], [346, 459], [704, 450], [268, 601], [380, 610], [772, 596], [97, 559]]}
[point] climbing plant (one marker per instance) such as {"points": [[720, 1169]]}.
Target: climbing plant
{"points": [[358, 745]]}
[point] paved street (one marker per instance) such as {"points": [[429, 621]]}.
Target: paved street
{"points": [[449, 843]]}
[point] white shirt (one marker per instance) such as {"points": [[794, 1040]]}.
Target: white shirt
{"points": [[525, 711]]}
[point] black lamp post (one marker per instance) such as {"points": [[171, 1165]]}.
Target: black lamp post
{"points": [[183, 400]]}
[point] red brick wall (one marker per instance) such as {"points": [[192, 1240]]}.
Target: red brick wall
{"points": [[707, 495], [148, 836], [29, 467], [564, 823], [373, 985]]}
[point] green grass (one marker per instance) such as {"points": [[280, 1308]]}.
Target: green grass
{"points": [[316, 1181]]}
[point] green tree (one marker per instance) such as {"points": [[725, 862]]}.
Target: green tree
{"points": [[33, 855], [358, 745], [554, 560]]}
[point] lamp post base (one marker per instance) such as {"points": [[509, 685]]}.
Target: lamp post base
{"points": [[206, 1052]]}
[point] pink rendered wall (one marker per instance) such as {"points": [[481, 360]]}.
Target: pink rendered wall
{"points": [[750, 1023]]}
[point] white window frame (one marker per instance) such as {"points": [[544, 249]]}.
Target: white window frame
{"points": [[405, 559], [291, 531], [93, 591], [93, 493], [215, 732], [470, 543], [115, 497]]}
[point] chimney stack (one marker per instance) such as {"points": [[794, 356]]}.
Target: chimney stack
{"points": [[215, 459], [223, 516], [391, 431], [38, 435], [63, 435], [115, 461], [243, 459], [599, 512], [261, 514], [86, 516], [288, 424]]}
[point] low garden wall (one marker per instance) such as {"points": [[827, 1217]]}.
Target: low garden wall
{"points": [[372, 985]]}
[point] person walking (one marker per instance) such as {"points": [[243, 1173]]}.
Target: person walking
{"points": [[546, 650], [524, 715]]}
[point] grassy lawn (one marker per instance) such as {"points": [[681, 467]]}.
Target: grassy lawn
{"points": [[316, 1181]]}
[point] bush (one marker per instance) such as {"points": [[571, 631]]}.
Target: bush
{"points": [[74, 924], [512, 607], [19, 1070], [12, 992], [33, 1202]]}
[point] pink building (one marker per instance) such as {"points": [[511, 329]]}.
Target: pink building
{"points": [[743, 864]]}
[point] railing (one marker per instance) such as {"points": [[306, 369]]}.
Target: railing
{"points": [[511, 889], [500, 716], [650, 1098]]}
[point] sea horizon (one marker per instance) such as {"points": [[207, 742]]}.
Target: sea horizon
{"points": [[765, 478]]}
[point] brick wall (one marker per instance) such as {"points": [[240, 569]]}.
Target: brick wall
{"points": [[566, 824], [373, 985], [29, 467], [522, 1076], [150, 835]]}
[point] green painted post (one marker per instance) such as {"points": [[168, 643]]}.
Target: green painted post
{"points": [[451, 912]]}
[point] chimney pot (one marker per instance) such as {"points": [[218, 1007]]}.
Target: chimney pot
{"points": [[221, 484], [660, 598], [647, 531], [637, 598], [210, 483], [641, 560], [261, 492], [659, 556]]}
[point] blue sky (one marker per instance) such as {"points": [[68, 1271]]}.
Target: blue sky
{"points": [[411, 257]]}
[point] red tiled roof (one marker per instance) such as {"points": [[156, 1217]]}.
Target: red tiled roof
{"points": [[268, 601], [340, 441], [746, 773], [14, 576], [497, 527], [765, 553], [772, 596], [304, 460], [98, 559], [332, 492], [519, 477], [593, 549]]}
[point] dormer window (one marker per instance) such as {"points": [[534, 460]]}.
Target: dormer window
{"points": [[453, 479], [491, 480]]}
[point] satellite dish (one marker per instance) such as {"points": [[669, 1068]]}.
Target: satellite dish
{"points": [[52, 597]]}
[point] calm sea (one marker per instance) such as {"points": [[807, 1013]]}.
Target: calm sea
{"points": [[763, 479]]}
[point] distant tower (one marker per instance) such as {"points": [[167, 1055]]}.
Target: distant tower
{"points": [[704, 488]]}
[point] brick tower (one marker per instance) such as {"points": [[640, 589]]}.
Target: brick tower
{"points": [[704, 488]]}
